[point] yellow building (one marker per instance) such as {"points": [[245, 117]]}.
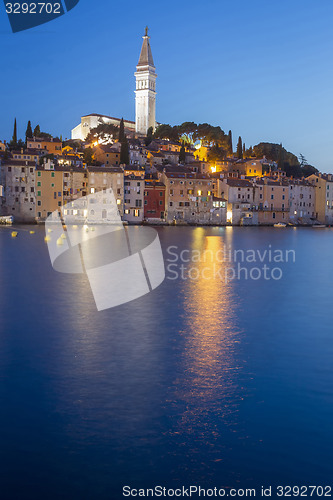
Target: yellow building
{"points": [[49, 191], [324, 197]]}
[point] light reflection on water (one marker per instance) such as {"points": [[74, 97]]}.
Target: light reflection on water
{"points": [[197, 381], [209, 382]]}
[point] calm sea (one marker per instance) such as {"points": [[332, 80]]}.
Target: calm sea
{"points": [[203, 381]]}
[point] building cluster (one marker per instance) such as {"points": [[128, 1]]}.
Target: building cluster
{"points": [[156, 188], [161, 182]]}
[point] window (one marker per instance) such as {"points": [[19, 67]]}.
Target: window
{"points": [[92, 190], [39, 203], [161, 193], [39, 174], [39, 193], [52, 174]]}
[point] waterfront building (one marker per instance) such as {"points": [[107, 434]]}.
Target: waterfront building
{"points": [[271, 198], [324, 197], [102, 178], [302, 201], [219, 212], [189, 197], [49, 190], [18, 180], [154, 200], [134, 188]]}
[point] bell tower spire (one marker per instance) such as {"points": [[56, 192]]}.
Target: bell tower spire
{"points": [[145, 93]]}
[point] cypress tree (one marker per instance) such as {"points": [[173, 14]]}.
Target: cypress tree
{"points": [[240, 148], [121, 136], [37, 131], [182, 154], [28, 133], [230, 151], [124, 152], [14, 140]]}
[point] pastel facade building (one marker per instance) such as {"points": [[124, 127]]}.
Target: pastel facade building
{"points": [[49, 190], [52, 146], [107, 155], [272, 201], [189, 197], [18, 180], [302, 201], [103, 178], [324, 197], [134, 188], [154, 200]]}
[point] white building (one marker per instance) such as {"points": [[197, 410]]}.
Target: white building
{"points": [[145, 93], [89, 122]]}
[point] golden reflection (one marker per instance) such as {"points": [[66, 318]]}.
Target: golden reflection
{"points": [[210, 381]]}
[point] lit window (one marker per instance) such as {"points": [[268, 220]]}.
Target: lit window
{"points": [[92, 190]]}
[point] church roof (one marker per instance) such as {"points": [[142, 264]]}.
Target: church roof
{"points": [[146, 56]]}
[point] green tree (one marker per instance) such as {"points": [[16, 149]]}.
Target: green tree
{"points": [[230, 147], [14, 138], [28, 133], [182, 155], [121, 135], [149, 137], [104, 132], [216, 153], [240, 148], [302, 160], [165, 131], [37, 131], [187, 131], [124, 152]]}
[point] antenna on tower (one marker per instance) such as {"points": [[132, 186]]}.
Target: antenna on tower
{"points": [[146, 31]]}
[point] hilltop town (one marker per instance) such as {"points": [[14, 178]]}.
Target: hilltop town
{"points": [[160, 174]]}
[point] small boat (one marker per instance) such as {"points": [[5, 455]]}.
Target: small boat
{"points": [[14, 234], [319, 226], [280, 224]]}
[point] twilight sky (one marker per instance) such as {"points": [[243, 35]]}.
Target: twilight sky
{"points": [[262, 69]]}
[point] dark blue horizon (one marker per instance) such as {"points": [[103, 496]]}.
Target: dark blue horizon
{"points": [[260, 69]]}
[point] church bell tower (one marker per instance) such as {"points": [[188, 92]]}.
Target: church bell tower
{"points": [[145, 93]]}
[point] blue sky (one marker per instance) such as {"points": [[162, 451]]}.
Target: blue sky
{"points": [[262, 69]]}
